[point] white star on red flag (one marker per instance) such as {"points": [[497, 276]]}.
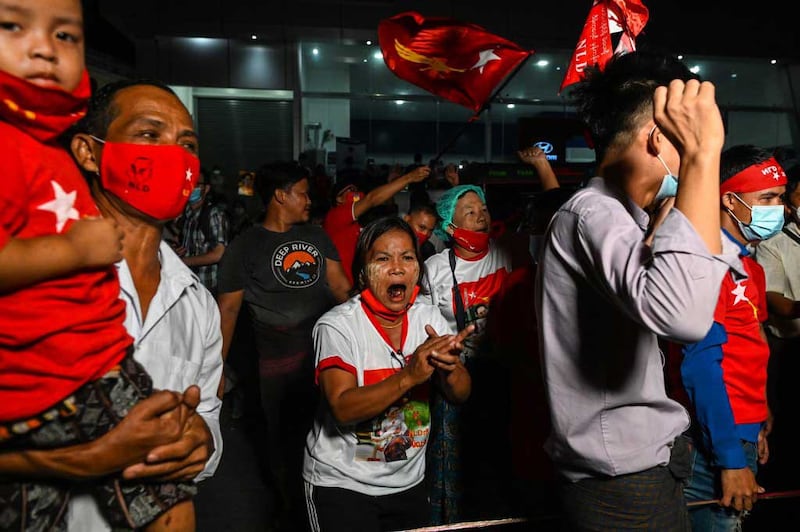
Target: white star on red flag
{"points": [[484, 57]]}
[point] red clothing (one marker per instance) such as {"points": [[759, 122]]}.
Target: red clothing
{"points": [[512, 325], [740, 310], [343, 229], [59, 334]]}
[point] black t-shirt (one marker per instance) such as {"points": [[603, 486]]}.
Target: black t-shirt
{"points": [[283, 275]]}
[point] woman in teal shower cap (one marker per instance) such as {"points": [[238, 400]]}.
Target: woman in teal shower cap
{"points": [[468, 442]]}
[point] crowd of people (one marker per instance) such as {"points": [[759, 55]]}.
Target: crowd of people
{"points": [[623, 354]]}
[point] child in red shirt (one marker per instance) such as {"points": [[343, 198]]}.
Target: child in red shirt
{"points": [[66, 370]]}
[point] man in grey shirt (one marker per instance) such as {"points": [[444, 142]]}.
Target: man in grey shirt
{"points": [[605, 290]]}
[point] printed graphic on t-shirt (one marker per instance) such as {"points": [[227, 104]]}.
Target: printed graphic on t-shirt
{"points": [[395, 434], [477, 296], [297, 264], [739, 292]]}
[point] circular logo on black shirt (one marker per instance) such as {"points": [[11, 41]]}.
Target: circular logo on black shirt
{"points": [[296, 264]]}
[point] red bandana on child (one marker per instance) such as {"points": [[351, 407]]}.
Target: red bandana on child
{"points": [[42, 112]]}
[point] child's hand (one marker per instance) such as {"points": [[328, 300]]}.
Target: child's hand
{"points": [[98, 241]]}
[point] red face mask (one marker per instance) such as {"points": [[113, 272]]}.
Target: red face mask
{"points": [[471, 240], [421, 237], [155, 179]]}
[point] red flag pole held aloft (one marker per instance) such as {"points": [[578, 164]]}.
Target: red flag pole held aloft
{"points": [[460, 62], [485, 106], [594, 47]]}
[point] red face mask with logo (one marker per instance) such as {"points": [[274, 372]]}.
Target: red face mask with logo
{"points": [[421, 237], [156, 179], [471, 240]]}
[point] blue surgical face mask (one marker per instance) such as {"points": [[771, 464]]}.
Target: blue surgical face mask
{"points": [[196, 195], [766, 220], [669, 185]]}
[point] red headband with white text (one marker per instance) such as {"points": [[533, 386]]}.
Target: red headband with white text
{"points": [[759, 176]]}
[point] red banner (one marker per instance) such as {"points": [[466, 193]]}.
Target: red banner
{"points": [[594, 45], [460, 62]]}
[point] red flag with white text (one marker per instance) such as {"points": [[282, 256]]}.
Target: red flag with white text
{"points": [[606, 17], [460, 62]]}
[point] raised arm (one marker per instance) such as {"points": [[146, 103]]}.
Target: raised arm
{"points": [[538, 159], [381, 194], [687, 113]]}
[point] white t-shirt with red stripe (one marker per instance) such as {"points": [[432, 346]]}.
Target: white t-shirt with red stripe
{"points": [[386, 454]]}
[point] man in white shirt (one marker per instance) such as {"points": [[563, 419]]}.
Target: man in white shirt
{"points": [[172, 317], [171, 435]]}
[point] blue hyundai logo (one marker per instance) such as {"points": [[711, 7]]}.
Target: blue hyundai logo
{"points": [[546, 147]]}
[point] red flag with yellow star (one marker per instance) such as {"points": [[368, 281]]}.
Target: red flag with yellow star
{"points": [[606, 17], [460, 62]]}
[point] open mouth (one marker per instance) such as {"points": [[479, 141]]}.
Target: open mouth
{"points": [[396, 293]]}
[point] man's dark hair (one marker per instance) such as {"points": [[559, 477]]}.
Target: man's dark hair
{"points": [[279, 175], [425, 207], [342, 182], [366, 239], [613, 102], [102, 111], [736, 158]]}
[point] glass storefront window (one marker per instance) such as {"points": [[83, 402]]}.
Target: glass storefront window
{"points": [[349, 89]]}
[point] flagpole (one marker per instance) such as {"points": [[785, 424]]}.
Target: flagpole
{"points": [[482, 109]]}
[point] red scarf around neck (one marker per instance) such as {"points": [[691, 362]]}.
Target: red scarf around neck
{"points": [[377, 308], [42, 112]]}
